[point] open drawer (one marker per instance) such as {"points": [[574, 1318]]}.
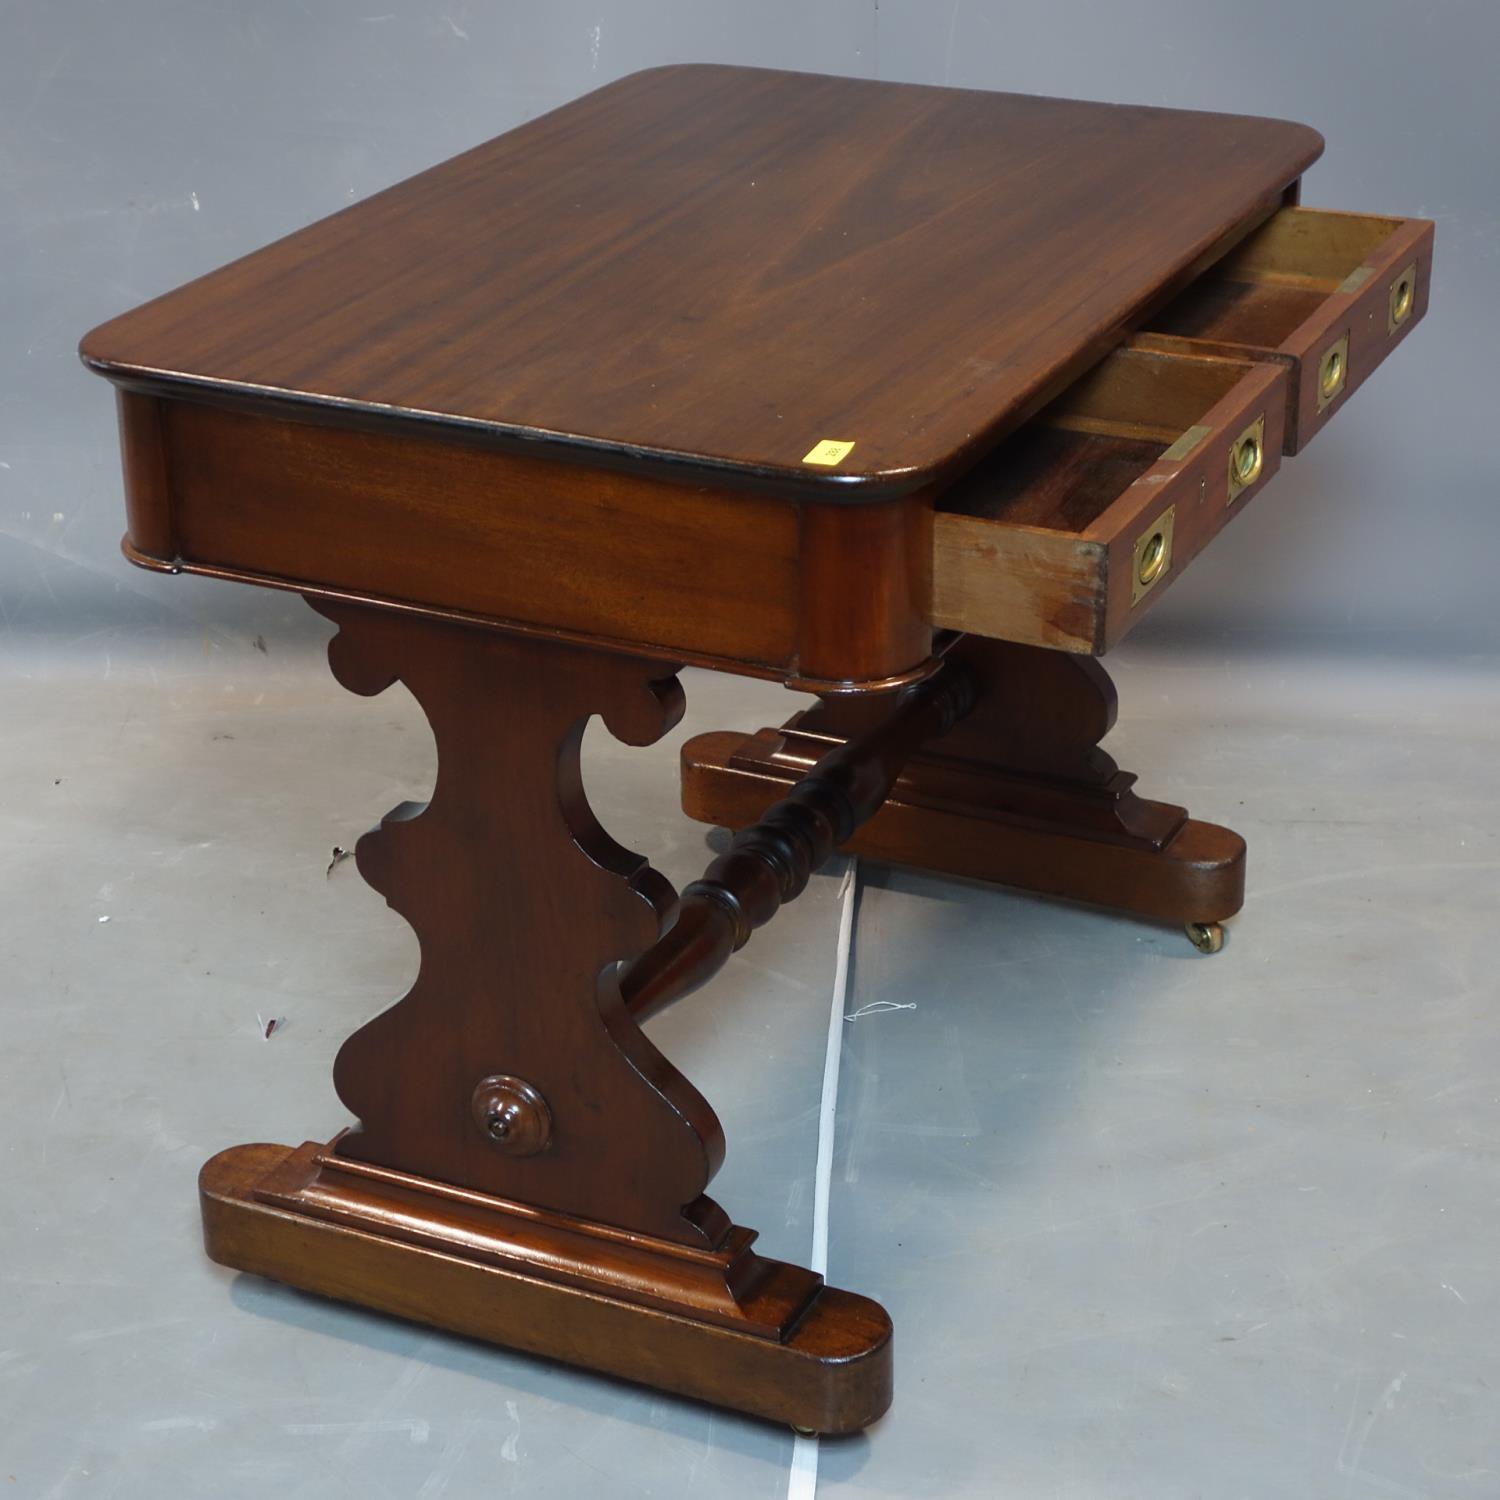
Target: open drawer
{"points": [[1327, 294], [1074, 526]]}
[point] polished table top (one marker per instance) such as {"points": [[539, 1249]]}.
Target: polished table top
{"points": [[721, 269]]}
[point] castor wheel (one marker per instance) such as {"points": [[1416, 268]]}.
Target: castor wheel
{"points": [[1206, 937], [804, 1431]]}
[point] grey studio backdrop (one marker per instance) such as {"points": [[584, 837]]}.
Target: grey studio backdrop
{"points": [[1150, 1224]]}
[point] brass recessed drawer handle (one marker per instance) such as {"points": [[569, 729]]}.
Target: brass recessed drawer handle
{"points": [[1247, 457], [1152, 556], [1333, 371], [1403, 298]]}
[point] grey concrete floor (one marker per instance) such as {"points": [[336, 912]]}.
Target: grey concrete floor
{"points": [[1149, 1224]]}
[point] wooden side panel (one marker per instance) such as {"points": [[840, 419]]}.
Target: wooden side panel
{"points": [[863, 588], [1315, 245], [607, 555], [1015, 583], [148, 498]]}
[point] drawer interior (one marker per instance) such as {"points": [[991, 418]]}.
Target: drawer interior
{"points": [[1072, 527], [1080, 456], [1264, 290], [1330, 294]]}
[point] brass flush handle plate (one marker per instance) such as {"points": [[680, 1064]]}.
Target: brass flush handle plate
{"points": [[1151, 557], [1247, 457], [1403, 298], [1333, 371]]}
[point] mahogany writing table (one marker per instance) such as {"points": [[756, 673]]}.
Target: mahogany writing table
{"points": [[914, 398]]}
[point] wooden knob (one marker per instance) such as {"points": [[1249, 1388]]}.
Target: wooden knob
{"points": [[512, 1114]]}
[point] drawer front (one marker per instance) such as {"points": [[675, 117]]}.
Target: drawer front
{"points": [[1078, 524], [1329, 295]]}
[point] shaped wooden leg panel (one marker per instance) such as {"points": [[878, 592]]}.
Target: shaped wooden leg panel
{"points": [[528, 1168], [1018, 793]]}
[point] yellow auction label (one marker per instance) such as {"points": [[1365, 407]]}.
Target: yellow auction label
{"points": [[829, 452]]}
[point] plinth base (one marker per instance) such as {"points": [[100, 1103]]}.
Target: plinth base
{"points": [[458, 1262]]}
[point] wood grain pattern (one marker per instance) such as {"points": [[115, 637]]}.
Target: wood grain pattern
{"points": [[611, 555], [717, 267], [1017, 583], [862, 591]]}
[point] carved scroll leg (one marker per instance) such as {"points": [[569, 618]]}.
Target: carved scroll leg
{"points": [[1017, 794], [528, 1168]]}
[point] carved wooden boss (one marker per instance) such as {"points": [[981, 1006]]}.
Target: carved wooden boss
{"points": [[912, 397]]}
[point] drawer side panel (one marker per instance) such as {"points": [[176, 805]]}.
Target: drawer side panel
{"points": [[1008, 583]]}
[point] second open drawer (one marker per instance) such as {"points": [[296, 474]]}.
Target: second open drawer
{"points": [[1329, 295], [1076, 524]]}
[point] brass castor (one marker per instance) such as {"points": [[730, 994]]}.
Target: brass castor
{"points": [[804, 1431], [1206, 937]]}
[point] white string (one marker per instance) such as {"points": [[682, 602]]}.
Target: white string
{"points": [[802, 1481], [879, 1008]]}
